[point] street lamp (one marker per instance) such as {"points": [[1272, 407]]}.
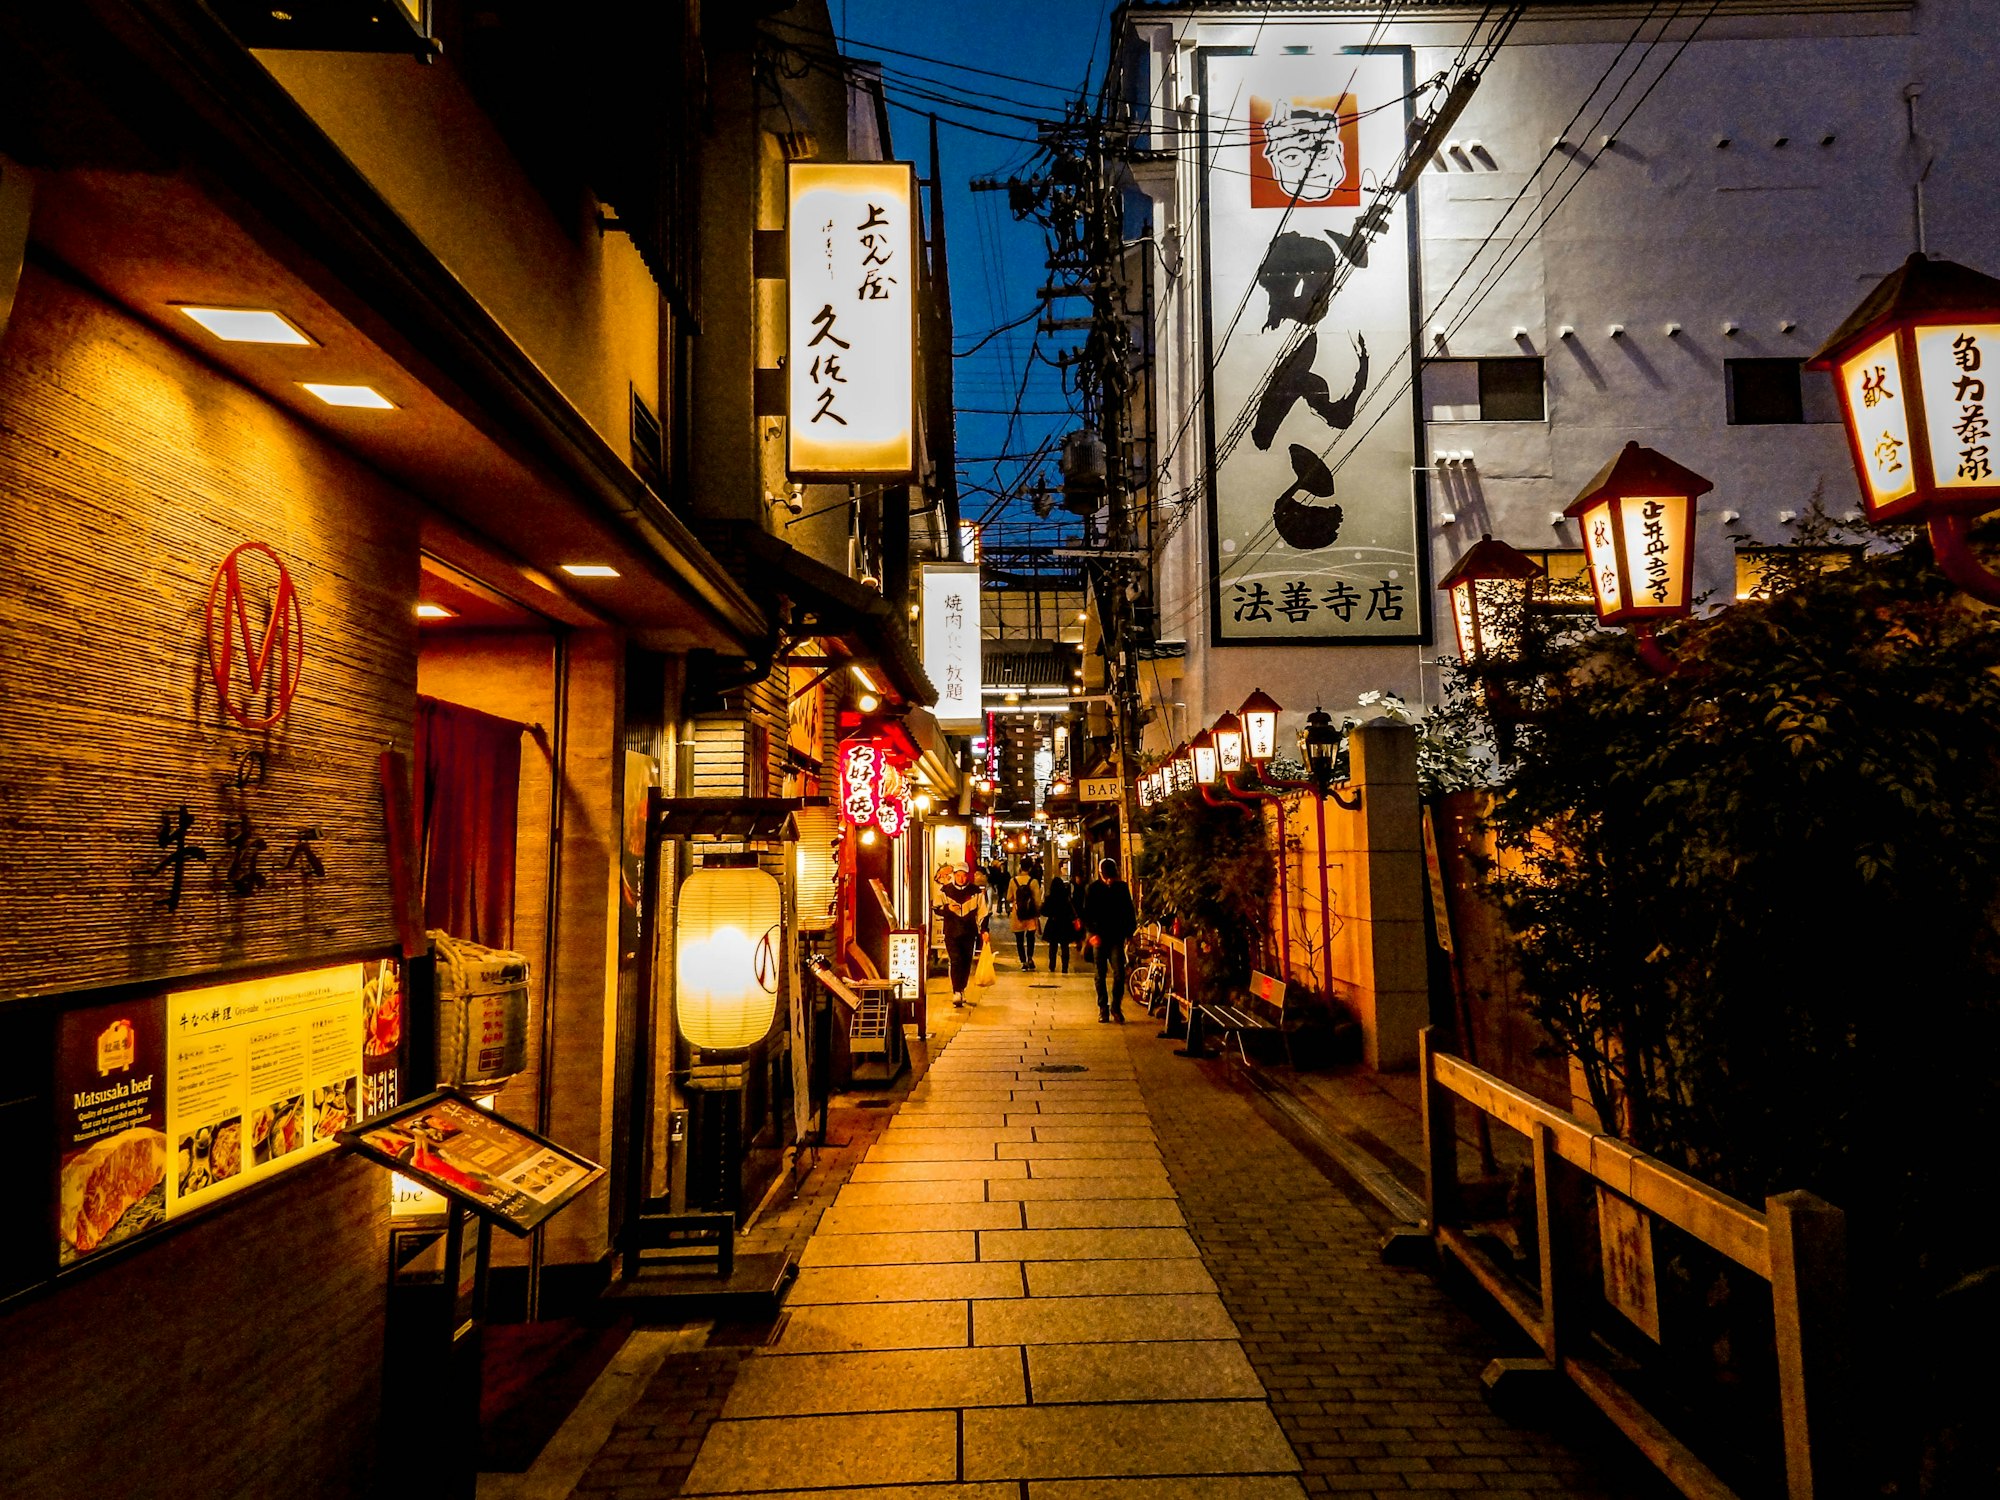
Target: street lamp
{"points": [[1910, 366], [1489, 598], [1637, 517], [1202, 748], [1322, 746], [1228, 734], [1260, 725]]}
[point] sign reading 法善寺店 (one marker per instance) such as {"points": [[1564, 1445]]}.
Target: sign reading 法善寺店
{"points": [[851, 348]]}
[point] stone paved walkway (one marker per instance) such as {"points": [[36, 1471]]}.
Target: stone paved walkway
{"points": [[1077, 1267]]}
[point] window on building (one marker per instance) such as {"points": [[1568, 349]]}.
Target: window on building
{"points": [[1764, 571], [1777, 393], [649, 451], [1484, 390]]}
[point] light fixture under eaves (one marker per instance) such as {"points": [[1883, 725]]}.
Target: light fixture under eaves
{"points": [[248, 325], [589, 570], [435, 612], [363, 397], [861, 675]]}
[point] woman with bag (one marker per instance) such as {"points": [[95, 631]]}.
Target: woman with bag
{"points": [[960, 906], [1058, 921], [1026, 897]]}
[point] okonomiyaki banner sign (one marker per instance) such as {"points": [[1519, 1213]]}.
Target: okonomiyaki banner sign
{"points": [[851, 358], [1313, 505]]}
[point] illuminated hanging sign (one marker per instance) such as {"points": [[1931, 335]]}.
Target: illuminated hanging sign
{"points": [[873, 789], [852, 299], [952, 628]]}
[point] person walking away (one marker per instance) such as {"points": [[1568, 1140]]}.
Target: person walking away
{"points": [[1058, 921], [1110, 920], [960, 898], [996, 880], [1026, 897]]}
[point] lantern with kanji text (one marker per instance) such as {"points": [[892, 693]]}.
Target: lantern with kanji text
{"points": [[1489, 590], [1637, 517]]}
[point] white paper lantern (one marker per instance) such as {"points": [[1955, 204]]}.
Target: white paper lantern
{"points": [[728, 943]]}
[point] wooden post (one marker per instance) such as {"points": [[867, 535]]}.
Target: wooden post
{"points": [[1809, 1305], [1440, 1139], [1548, 1243]]}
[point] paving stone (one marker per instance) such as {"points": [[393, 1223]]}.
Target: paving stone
{"points": [[1091, 1130], [1105, 1278], [804, 1452], [1186, 1370], [1084, 1244], [911, 1492], [951, 1281], [910, 1118], [1100, 1319], [1111, 1167], [1104, 1213], [836, 1327], [890, 1249], [891, 1194], [777, 1385], [919, 1217], [1055, 1442], [1123, 1187], [935, 1171]]}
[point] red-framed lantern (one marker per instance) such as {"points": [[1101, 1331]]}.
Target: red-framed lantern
{"points": [[1228, 733], [1207, 770], [1260, 726], [1489, 588], [1911, 365], [1638, 517]]}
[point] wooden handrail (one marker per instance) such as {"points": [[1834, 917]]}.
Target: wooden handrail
{"points": [[1716, 1219]]}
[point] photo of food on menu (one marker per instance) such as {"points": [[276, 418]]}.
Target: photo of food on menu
{"points": [[462, 1150]]}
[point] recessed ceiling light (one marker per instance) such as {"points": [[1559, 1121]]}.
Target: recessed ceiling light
{"points": [[248, 325], [589, 570], [435, 612], [363, 396]]}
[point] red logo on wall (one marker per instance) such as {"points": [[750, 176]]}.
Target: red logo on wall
{"points": [[251, 589], [1305, 153]]}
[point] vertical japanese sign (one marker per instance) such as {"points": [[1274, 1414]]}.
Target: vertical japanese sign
{"points": [[952, 625], [851, 329], [1311, 311]]}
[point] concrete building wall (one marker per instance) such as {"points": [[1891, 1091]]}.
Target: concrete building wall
{"points": [[1662, 228]]}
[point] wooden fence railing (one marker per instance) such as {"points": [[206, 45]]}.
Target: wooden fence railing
{"points": [[1797, 1244]]}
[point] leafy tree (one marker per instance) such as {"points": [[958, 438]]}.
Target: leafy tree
{"points": [[1210, 868], [1757, 900]]}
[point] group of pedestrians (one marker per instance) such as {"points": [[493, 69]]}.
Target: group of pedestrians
{"points": [[1102, 922]]}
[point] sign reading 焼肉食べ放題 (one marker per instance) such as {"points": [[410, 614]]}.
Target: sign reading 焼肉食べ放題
{"points": [[851, 345], [952, 630], [1313, 505]]}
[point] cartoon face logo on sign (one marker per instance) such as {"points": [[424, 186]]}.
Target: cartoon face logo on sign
{"points": [[252, 592], [1305, 152]]}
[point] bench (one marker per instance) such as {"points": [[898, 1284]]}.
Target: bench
{"points": [[1264, 1009]]}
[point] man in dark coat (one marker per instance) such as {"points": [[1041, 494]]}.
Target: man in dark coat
{"points": [[1110, 920]]}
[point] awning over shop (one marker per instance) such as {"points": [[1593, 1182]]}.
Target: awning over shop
{"points": [[729, 818], [830, 605], [934, 753]]}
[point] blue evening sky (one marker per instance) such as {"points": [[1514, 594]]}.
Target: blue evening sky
{"points": [[1053, 48]]}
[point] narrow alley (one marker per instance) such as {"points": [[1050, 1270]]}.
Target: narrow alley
{"points": [[1075, 1266]]}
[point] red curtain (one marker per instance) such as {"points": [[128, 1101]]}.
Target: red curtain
{"points": [[468, 802]]}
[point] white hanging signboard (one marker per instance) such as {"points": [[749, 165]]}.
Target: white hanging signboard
{"points": [[1312, 432], [852, 320], [951, 616]]}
